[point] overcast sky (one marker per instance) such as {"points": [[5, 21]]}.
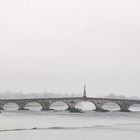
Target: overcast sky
{"points": [[58, 45]]}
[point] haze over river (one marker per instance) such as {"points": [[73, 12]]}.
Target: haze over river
{"points": [[62, 125]]}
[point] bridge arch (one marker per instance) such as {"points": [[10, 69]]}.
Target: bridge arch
{"points": [[134, 107], [33, 106], [111, 106], [85, 105], [11, 106], [59, 105]]}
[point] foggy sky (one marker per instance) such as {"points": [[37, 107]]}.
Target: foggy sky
{"points": [[58, 45]]}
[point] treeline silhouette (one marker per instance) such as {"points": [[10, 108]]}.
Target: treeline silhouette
{"points": [[21, 95]]}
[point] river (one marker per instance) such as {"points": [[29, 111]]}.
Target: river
{"points": [[62, 125]]}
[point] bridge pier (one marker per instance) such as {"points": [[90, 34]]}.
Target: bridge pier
{"points": [[1, 106], [125, 107], [99, 106], [100, 109], [72, 108], [22, 106], [45, 106]]}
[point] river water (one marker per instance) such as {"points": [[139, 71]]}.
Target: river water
{"points": [[62, 125]]}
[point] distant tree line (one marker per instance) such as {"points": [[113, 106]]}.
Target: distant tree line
{"points": [[111, 95], [21, 95]]}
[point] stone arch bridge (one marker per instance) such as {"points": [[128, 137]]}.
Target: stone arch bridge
{"points": [[124, 104]]}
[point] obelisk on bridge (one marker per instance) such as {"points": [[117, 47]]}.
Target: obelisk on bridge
{"points": [[84, 94]]}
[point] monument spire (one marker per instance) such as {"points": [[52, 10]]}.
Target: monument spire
{"points": [[84, 94]]}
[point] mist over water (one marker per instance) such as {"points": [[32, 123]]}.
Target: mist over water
{"points": [[61, 125]]}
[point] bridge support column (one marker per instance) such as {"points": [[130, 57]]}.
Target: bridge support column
{"points": [[21, 107], [99, 106], [125, 107], [1, 107], [71, 107], [45, 106]]}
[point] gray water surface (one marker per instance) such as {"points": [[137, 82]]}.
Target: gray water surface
{"points": [[62, 125]]}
